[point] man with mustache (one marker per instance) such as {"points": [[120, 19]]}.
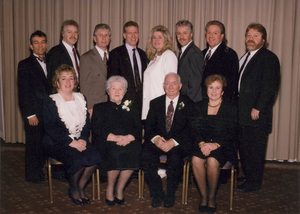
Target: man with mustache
{"points": [[65, 52], [258, 85], [190, 61]]}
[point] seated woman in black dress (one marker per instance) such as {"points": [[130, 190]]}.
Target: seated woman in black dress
{"points": [[117, 133], [215, 128], [67, 126]]}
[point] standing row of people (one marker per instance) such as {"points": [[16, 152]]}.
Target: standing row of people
{"points": [[146, 77]]}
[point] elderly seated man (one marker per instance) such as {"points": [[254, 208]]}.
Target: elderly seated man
{"points": [[166, 132]]}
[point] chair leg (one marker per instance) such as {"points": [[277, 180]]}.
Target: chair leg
{"points": [[98, 183], [183, 182], [143, 184], [140, 182], [187, 182], [93, 185], [50, 181], [231, 186]]}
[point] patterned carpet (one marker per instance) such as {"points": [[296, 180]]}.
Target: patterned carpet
{"points": [[279, 193]]}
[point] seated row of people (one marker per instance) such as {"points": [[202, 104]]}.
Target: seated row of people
{"points": [[175, 126]]}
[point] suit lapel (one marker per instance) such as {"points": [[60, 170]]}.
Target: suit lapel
{"points": [[182, 58], [40, 72], [252, 62], [98, 60]]}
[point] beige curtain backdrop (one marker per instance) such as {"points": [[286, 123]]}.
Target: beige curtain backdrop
{"points": [[19, 18]]}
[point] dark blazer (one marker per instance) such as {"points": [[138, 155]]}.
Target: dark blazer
{"points": [[156, 125], [57, 56], [57, 132], [190, 69], [258, 89], [93, 75], [119, 64], [33, 87], [224, 61]]}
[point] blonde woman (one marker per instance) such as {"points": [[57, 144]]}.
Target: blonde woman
{"points": [[161, 54]]}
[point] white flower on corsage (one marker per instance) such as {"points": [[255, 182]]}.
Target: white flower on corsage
{"points": [[181, 105], [126, 105]]}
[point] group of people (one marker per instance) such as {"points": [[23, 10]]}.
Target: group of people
{"points": [[200, 104]]}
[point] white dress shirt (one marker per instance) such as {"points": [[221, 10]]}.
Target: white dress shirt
{"points": [[138, 59], [71, 54], [101, 52]]}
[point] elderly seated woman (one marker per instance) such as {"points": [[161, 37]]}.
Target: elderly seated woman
{"points": [[67, 127], [117, 133], [215, 129]]}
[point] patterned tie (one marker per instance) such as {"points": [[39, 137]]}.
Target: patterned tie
{"points": [[105, 59], [76, 62], [207, 58], [169, 116], [138, 83]]}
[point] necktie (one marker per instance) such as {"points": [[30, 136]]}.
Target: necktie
{"points": [[76, 62], [207, 58], [180, 52], [40, 59], [138, 83], [105, 59], [169, 116], [248, 54]]}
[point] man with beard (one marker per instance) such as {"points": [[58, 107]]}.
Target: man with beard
{"points": [[258, 85]]}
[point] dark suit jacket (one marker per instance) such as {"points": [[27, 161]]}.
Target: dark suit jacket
{"points": [[119, 64], [259, 85], [57, 56], [156, 125], [224, 61], [190, 69], [57, 132], [33, 87], [93, 75]]}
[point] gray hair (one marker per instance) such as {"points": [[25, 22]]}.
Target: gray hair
{"points": [[116, 78], [184, 23], [172, 73], [102, 26]]}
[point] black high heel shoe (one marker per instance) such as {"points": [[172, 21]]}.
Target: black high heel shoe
{"points": [[75, 201], [120, 202], [86, 200], [202, 209], [109, 203]]}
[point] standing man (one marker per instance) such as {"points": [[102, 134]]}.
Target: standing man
{"points": [[258, 85], [33, 89], [166, 132], [130, 62], [65, 52], [190, 61], [220, 59], [93, 68]]}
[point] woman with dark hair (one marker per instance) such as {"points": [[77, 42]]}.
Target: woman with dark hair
{"points": [[67, 125], [215, 126]]}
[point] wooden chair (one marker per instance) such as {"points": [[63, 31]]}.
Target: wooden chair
{"points": [[233, 179], [163, 159], [51, 161]]}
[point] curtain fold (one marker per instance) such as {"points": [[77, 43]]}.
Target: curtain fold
{"points": [[19, 18]]}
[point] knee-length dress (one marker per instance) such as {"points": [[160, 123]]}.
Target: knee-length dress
{"points": [[58, 136], [220, 128], [119, 120]]}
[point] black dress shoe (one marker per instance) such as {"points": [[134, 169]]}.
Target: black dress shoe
{"points": [[247, 188], [110, 203], [74, 200], [86, 200], [156, 202], [202, 209], [120, 202], [35, 181], [169, 201], [211, 210]]}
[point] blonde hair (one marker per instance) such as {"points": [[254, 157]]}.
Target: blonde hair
{"points": [[151, 51]]}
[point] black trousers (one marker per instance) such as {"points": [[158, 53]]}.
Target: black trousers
{"points": [[34, 151], [252, 150], [149, 163]]}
